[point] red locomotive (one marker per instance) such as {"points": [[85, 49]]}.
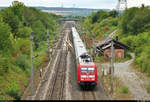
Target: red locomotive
{"points": [[87, 74], [86, 69]]}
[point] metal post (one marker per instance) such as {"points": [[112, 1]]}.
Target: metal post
{"points": [[48, 47], [32, 72], [93, 47], [93, 39], [112, 65], [102, 73], [55, 36], [86, 39]]}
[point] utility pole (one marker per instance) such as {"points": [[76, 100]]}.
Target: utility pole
{"points": [[32, 72], [48, 47], [112, 65], [54, 36], [86, 39], [93, 46]]}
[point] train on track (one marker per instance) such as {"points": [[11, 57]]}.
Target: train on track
{"points": [[86, 69]]}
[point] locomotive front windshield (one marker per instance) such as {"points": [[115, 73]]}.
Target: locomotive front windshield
{"points": [[91, 70], [87, 70]]}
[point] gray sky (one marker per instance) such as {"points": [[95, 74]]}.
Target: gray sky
{"points": [[110, 4]]}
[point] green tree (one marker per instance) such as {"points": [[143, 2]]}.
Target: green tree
{"points": [[135, 20], [99, 16], [5, 43], [11, 20], [39, 31], [16, 24], [1, 18], [29, 16], [4, 65], [126, 19], [113, 13], [18, 9], [24, 32]]}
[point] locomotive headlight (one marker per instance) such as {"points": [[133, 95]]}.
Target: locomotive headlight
{"points": [[92, 76], [83, 76]]}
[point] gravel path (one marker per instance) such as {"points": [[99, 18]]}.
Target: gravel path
{"points": [[129, 77]]}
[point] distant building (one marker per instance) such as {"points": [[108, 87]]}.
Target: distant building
{"points": [[105, 48]]}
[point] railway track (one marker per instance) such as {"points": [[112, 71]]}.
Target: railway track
{"points": [[53, 84], [56, 89], [88, 95]]}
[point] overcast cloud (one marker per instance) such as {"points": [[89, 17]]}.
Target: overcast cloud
{"points": [[110, 4]]}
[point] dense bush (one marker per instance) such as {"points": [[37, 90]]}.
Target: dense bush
{"points": [[101, 23], [24, 32], [21, 62], [99, 16], [37, 62], [140, 44], [22, 46], [104, 22], [113, 13], [17, 22], [13, 90], [39, 31], [148, 88], [11, 19], [135, 20], [5, 43], [124, 89], [4, 65]]}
